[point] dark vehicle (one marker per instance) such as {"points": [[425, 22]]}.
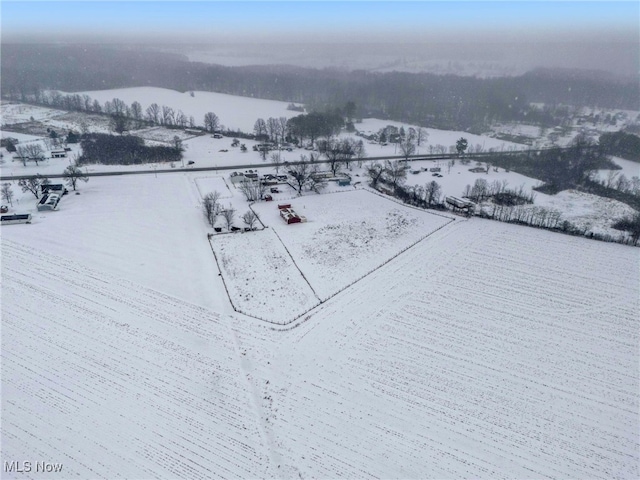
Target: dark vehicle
{"points": [[275, 190], [190, 162]]}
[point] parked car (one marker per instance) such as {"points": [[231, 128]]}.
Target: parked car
{"points": [[217, 135], [275, 190], [190, 162], [268, 198], [4, 209]]}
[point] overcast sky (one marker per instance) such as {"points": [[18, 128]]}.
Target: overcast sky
{"points": [[606, 34], [322, 20]]}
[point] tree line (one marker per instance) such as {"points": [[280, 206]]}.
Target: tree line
{"points": [[108, 149], [447, 102]]}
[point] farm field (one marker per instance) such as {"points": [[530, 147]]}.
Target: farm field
{"points": [[488, 350], [114, 380], [147, 229], [261, 277], [347, 234], [480, 353]]}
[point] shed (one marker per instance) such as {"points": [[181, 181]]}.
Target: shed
{"points": [[343, 182], [58, 154], [17, 218]]}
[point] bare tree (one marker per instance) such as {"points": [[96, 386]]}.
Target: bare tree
{"points": [[421, 135], [96, 107], [282, 123], [31, 152], [432, 192], [301, 173], [153, 113], [396, 171], [336, 152], [359, 152], [250, 218], [260, 129], [119, 108], [33, 184], [273, 129], [72, 174], [611, 178], [375, 172], [7, 193], [211, 122], [168, 115], [252, 190], [407, 147], [210, 206], [228, 214], [181, 119], [119, 123], [276, 160], [136, 113]]}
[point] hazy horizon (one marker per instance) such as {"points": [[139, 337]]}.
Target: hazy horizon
{"points": [[513, 35]]}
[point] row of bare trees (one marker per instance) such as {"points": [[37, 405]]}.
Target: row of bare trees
{"points": [[212, 209], [499, 192], [273, 129], [71, 175]]}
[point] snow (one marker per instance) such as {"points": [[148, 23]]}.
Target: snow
{"points": [[629, 169], [481, 350], [347, 235], [234, 112], [113, 379], [488, 350], [586, 211], [262, 278]]}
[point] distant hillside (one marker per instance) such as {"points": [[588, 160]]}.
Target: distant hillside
{"points": [[449, 102]]}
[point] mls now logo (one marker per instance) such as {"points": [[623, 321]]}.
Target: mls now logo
{"points": [[27, 467]]}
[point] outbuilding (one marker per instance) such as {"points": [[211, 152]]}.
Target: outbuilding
{"points": [[16, 218], [48, 202]]}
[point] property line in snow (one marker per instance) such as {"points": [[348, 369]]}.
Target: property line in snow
{"points": [[321, 301], [296, 265], [222, 276]]}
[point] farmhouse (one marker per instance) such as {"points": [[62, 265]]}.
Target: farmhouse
{"points": [[48, 202], [58, 154], [17, 218]]}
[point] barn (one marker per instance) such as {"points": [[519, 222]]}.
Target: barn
{"points": [[56, 188], [289, 215], [48, 202]]}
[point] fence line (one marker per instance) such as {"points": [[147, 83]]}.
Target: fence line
{"points": [[292, 323]]}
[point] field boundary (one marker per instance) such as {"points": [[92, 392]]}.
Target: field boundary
{"points": [[293, 322]]}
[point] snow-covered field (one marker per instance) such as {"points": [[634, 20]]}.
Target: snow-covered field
{"points": [[262, 278], [347, 235], [235, 112], [485, 350], [114, 380], [488, 350]]}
